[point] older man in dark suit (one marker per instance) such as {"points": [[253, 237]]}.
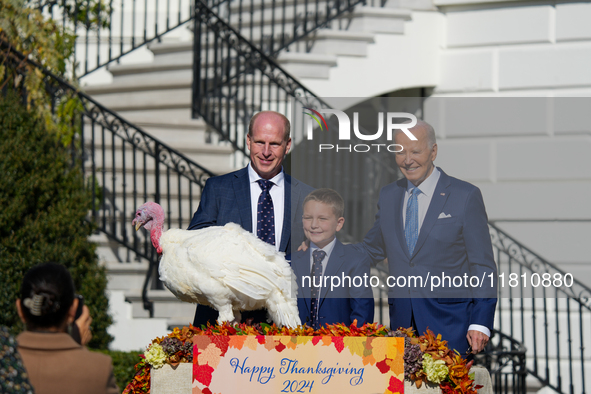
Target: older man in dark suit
{"points": [[260, 197], [430, 224]]}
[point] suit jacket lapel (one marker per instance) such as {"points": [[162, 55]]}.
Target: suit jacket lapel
{"points": [[288, 213], [333, 267], [241, 185], [399, 206], [438, 200]]}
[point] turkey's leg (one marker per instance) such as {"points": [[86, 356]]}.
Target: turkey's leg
{"points": [[226, 313]]}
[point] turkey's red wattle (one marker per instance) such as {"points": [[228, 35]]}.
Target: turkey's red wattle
{"points": [[155, 237], [156, 212]]}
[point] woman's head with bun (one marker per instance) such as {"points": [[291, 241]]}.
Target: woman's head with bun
{"points": [[47, 294]]}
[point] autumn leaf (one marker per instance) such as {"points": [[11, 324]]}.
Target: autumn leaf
{"points": [[283, 339], [369, 360], [237, 341], [356, 345], [251, 342], [280, 347], [383, 366], [379, 346], [211, 355], [270, 343], [396, 385], [290, 342], [202, 341], [338, 343], [222, 342], [397, 365], [392, 350], [202, 373]]}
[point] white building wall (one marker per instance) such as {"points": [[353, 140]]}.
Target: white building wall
{"points": [[499, 49], [535, 176]]}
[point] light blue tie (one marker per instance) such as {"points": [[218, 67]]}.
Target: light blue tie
{"points": [[411, 226]]}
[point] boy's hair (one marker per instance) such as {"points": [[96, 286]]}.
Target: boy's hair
{"points": [[328, 197]]}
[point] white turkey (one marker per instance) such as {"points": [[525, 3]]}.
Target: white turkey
{"points": [[227, 268]]}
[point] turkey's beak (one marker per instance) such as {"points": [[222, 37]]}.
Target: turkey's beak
{"points": [[137, 225]]}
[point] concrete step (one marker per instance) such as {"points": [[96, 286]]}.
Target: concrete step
{"points": [[340, 42], [217, 157], [166, 305], [378, 20], [131, 333], [163, 97], [362, 18], [111, 253], [126, 276], [192, 143], [307, 65]]}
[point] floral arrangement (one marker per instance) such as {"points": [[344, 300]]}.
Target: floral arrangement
{"points": [[426, 357]]}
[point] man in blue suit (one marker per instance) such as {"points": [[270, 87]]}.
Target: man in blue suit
{"points": [[434, 226], [249, 195], [344, 297]]}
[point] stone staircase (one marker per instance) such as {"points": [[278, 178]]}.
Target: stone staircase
{"points": [[156, 96]]}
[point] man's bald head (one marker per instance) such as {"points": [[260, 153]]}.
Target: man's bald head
{"points": [[270, 117], [422, 129]]}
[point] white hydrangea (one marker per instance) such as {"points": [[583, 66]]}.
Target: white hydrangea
{"points": [[436, 370], [155, 355]]}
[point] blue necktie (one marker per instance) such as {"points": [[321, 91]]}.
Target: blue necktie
{"points": [[411, 226], [265, 213], [316, 280]]}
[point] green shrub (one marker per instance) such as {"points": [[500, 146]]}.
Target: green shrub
{"points": [[123, 365], [44, 205]]}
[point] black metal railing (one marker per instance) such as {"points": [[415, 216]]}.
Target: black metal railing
{"points": [[545, 309], [551, 321], [107, 30], [125, 167], [235, 77], [274, 25], [505, 359]]}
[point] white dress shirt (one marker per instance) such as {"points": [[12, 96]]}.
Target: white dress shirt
{"points": [[277, 193], [427, 188]]}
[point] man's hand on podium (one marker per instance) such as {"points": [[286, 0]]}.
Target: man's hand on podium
{"points": [[477, 340]]}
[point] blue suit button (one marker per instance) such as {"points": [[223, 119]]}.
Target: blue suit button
{"points": [[412, 264]]}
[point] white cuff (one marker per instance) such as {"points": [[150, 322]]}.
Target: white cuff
{"points": [[480, 328]]}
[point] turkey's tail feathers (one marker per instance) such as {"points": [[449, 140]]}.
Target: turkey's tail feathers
{"points": [[283, 309]]}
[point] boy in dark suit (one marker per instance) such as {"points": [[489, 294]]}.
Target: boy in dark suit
{"points": [[332, 278]]}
